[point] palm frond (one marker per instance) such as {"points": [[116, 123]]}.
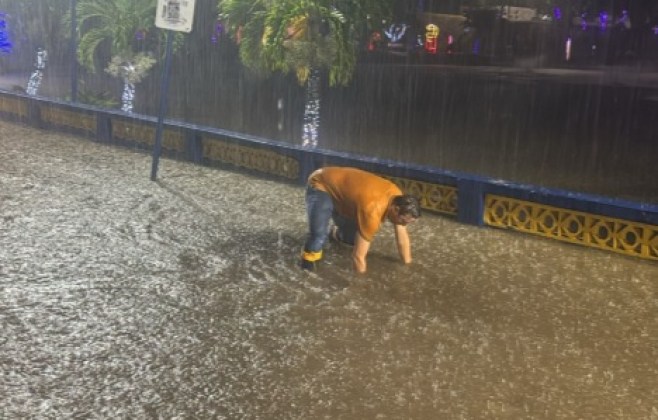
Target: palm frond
{"points": [[112, 21], [300, 35], [88, 45]]}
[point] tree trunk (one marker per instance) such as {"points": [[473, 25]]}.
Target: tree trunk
{"points": [[128, 96], [312, 110], [34, 82]]}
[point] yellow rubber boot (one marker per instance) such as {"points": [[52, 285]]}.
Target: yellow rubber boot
{"points": [[310, 260]]}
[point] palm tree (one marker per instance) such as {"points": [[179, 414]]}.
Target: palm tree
{"points": [[121, 25], [303, 37]]}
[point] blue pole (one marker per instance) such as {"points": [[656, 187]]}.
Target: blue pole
{"points": [[74, 48], [157, 148]]}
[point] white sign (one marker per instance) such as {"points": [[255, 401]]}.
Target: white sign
{"points": [[175, 15]]}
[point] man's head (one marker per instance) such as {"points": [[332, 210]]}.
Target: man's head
{"points": [[404, 209]]}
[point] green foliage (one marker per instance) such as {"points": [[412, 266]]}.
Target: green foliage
{"points": [[102, 99], [113, 23], [301, 35]]}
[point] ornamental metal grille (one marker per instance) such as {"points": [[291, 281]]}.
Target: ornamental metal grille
{"points": [[145, 135], [13, 106], [72, 119], [260, 160], [618, 235], [435, 197]]}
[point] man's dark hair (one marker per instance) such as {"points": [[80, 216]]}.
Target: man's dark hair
{"points": [[407, 205]]}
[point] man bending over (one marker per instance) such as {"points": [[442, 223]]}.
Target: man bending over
{"points": [[358, 202]]}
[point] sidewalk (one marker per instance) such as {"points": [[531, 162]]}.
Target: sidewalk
{"points": [[126, 298]]}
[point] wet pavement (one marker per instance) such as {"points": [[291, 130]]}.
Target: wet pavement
{"points": [[181, 299]]}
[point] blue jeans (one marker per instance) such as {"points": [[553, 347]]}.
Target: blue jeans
{"points": [[320, 209], [346, 228]]}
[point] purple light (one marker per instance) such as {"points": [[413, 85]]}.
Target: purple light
{"points": [[476, 47], [603, 18], [5, 42], [624, 21], [217, 32], [583, 22], [557, 13]]}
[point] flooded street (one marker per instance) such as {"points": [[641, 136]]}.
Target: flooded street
{"points": [[181, 299]]}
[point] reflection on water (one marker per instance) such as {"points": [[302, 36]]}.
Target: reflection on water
{"points": [[124, 298]]}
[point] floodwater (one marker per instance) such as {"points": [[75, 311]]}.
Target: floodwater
{"points": [[180, 299]]}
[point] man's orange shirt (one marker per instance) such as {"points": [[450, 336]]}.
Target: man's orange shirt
{"points": [[357, 195]]}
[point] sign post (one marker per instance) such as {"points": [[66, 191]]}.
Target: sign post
{"points": [[74, 49], [172, 15]]}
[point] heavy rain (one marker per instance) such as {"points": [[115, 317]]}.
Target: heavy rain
{"points": [[121, 297]]}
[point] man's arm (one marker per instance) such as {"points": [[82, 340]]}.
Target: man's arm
{"points": [[403, 242], [359, 253]]}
